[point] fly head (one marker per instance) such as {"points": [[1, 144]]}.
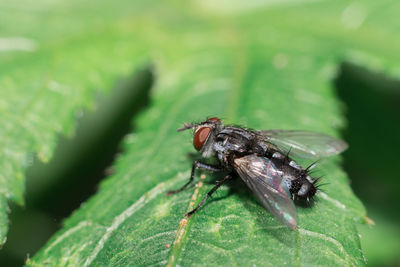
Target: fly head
{"points": [[204, 134]]}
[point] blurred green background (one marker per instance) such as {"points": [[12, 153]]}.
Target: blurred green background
{"points": [[372, 109], [370, 99]]}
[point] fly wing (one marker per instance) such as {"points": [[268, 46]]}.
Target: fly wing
{"points": [[266, 181], [304, 144]]}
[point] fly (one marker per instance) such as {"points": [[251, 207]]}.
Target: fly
{"points": [[261, 159]]}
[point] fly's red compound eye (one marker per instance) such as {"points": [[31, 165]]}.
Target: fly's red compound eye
{"points": [[214, 119], [200, 137]]}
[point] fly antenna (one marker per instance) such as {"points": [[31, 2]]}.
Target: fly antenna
{"points": [[186, 126]]}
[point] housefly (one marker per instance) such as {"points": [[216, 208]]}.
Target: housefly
{"points": [[261, 159]]}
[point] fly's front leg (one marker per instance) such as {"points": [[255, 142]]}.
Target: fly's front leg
{"points": [[200, 165], [219, 183]]}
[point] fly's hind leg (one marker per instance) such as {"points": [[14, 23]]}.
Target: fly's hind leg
{"points": [[200, 165], [219, 183]]}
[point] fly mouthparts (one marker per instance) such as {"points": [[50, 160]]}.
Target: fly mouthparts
{"points": [[186, 126]]}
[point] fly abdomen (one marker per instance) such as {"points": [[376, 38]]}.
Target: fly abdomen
{"points": [[299, 182]]}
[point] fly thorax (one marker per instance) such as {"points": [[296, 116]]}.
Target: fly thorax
{"points": [[221, 151]]}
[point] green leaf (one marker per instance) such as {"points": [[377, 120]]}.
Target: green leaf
{"points": [[44, 91], [264, 65]]}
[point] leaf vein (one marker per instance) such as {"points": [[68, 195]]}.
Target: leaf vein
{"points": [[337, 203], [326, 238], [118, 220], [67, 233], [176, 246]]}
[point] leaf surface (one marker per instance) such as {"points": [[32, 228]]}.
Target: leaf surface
{"points": [[47, 84]]}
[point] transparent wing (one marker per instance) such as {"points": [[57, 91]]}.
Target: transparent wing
{"points": [[265, 180], [304, 144]]}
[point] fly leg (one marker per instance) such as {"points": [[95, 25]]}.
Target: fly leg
{"points": [[200, 165], [219, 183]]}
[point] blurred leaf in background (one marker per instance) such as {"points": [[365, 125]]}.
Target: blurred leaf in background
{"points": [[260, 63], [373, 111], [44, 88]]}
